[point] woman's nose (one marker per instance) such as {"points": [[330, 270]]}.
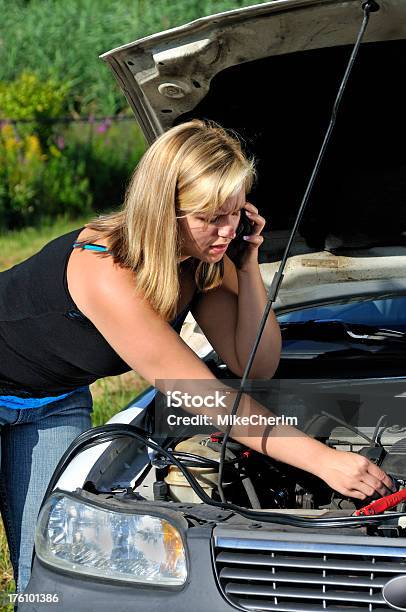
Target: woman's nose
{"points": [[227, 230]]}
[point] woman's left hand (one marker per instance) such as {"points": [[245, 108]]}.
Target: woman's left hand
{"points": [[244, 249]]}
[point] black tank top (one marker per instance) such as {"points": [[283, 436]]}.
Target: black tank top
{"points": [[47, 346]]}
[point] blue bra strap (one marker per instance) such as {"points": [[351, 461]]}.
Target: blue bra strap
{"points": [[91, 247]]}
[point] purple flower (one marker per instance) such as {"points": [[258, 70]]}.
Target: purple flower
{"points": [[60, 142], [102, 127]]}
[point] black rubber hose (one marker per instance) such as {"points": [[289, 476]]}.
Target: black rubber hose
{"points": [[251, 492]]}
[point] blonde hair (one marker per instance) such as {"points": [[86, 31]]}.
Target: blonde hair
{"points": [[193, 167]]}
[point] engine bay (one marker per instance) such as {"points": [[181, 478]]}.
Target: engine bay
{"points": [[253, 480], [345, 414]]}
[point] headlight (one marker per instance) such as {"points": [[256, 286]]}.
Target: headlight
{"points": [[73, 535]]}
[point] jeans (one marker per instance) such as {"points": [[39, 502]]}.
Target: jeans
{"points": [[32, 442]]}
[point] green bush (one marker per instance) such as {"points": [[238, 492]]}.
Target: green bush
{"points": [[54, 168], [37, 180], [65, 188], [109, 151], [83, 169], [35, 185], [27, 98]]}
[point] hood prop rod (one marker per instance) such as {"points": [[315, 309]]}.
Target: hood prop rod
{"points": [[370, 6]]}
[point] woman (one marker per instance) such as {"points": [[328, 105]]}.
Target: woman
{"points": [[116, 301]]}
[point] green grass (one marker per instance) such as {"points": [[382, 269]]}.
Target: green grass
{"points": [[110, 395], [17, 245], [6, 573]]}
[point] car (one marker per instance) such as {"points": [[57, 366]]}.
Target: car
{"points": [[123, 526]]}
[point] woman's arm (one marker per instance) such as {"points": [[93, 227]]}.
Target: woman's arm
{"points": [[105, 294], [230, 314], [351, 474], [252, 300]]}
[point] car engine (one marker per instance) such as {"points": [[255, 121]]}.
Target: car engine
{"points": [[254, 480]]}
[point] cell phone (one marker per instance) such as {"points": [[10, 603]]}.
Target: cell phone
{"points": [[237, 247], [244, 227]]}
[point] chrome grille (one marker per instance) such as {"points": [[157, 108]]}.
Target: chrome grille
{"points": [[293, 576]]}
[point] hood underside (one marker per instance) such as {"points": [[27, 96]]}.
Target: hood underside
{"points": [[271, 72]]}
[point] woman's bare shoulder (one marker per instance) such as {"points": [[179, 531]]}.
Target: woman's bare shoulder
{"points": [[106, 295], [91, 274], [94, 279]]}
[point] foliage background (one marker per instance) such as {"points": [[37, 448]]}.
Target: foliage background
{"points": [[50, 76]]}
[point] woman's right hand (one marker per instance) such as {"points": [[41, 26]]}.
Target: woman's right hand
{"points": [[353, 475]]}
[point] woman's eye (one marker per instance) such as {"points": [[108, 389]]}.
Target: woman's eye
{"points": [[214, 219]]}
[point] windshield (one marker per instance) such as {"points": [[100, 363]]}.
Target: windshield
{"points": [[385, 312]]}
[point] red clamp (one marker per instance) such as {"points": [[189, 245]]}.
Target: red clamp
{"points": [[217, 436], [380, 505]]}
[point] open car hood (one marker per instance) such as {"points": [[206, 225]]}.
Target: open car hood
{"points": [[271, 72], [166, 75]]}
